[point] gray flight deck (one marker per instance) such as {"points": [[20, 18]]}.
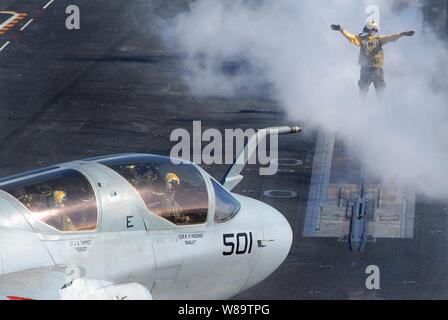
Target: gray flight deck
{"points": [[113, 87], [335, 185]]}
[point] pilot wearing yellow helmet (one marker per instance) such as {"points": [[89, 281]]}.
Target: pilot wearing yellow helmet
{"points": [[57, 200], [172, 182]]}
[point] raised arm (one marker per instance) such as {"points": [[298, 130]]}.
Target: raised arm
{"points": [[355, 40], [386, 39]]}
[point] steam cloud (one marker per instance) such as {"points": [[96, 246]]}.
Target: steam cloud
{"points": [[314, 72]]}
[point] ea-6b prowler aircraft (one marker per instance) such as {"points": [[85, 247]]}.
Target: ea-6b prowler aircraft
{"points": [[136, 226]]}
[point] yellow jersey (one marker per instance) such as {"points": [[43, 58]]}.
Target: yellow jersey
{"points": [[371, 47]]}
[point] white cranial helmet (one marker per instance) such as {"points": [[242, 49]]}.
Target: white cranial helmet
{"points": [[372, 25]]}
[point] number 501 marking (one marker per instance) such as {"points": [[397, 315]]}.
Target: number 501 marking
{"points": [[228, 240]]}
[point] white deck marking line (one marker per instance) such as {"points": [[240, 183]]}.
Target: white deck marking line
{"points": [[13, 17], [48, 4], [4, 46], [26, 24]]}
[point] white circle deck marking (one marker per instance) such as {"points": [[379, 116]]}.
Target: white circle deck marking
{"points": [[280, 194], [287, 162]]}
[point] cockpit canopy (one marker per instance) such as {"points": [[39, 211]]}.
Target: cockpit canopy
{"points": [[66, 197], [63, 199], [176, 192]]}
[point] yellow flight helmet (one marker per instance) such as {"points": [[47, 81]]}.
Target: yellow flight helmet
{"points": [[59, 196], [172, 180]]}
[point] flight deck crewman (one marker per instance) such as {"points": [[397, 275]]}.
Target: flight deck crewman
{"points": [[371, 55]]}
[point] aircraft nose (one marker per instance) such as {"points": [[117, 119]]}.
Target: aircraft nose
{"points": [[274, 245]]}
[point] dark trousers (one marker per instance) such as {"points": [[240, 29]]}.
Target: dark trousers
{"points": [[369, 75]]}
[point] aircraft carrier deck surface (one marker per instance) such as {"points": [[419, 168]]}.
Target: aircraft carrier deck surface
{"points": [[113, 87]]}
